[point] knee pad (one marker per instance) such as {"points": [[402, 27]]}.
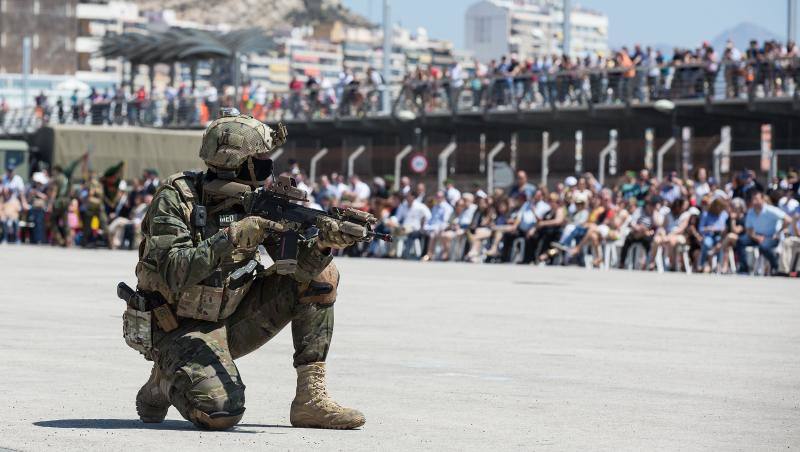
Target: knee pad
{"points": [[221, 420], [322, 289], [211, 403]]}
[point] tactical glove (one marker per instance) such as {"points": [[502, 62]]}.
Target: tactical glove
{"points": [[338, 234], [251, 231]]}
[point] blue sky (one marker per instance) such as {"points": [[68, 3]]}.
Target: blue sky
{"points": [[675, 22]]}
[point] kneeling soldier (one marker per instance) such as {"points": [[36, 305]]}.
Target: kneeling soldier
{"points": [[195, 237]]}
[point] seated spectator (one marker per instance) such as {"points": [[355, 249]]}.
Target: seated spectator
{"points": [[460, 223], [521, 185], [548, 230], [672, 233], [763, 227], [439, 220], [409, 219], [734, 229], [501, 224], [599, 227], [522, 222], [712, 225], [643, 227], [325, 190], [451, 192], [790, 247], [577, 225], [480, 228]]}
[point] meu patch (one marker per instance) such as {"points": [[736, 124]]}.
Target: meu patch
{"points": [[227, 219]]}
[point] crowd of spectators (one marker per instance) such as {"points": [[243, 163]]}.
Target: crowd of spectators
{"points": [[640, 222], [636, 74], [696, 224], [626, 75], [54, 209]]}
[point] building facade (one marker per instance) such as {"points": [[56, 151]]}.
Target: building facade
{"points": [[52, 27], [532, 29]]}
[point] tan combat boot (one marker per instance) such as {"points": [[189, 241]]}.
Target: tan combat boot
{"points": [[152, 402], [313, 408]]}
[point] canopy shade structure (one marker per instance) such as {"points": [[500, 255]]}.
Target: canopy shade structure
{"points": [[178, 45]]}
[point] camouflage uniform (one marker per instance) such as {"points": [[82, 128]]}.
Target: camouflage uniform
{"points": [[60, 232], [189, 267], [197, 358], [94, 208]]}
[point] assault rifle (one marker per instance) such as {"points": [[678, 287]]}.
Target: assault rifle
{"points": [[278, 203]]}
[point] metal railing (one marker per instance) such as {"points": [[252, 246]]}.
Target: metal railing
{"points": [[529, 90]]}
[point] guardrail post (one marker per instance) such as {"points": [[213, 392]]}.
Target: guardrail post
{"points": [[513, 147], [351, 159], [609, 151], [648, 148], [660, 157], [490, 163], [449, 149], [723, 150], [312, 170], [547, 150], [398, 159], [578, 151]]}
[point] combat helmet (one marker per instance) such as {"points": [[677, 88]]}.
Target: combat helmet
{"points": [[231, 142]]}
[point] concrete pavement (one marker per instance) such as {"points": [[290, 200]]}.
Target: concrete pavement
{"points": [[438, 356]]}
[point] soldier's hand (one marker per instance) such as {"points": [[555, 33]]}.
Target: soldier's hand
{"points": [[337, 234], [251, 231]]}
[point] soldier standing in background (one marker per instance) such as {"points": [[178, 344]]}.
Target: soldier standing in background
{"points": [[93, 207], [60, 232]]}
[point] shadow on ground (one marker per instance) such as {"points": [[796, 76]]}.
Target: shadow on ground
{"points": [[135, 424]]}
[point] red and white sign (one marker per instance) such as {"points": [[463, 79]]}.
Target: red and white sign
{"points": [[419, 164], [766, 147]]}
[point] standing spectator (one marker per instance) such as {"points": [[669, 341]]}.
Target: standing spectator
{"points": [[150, 181], [13, 182], [456, 82], [3, 111], [10, 213], [763, 226]]}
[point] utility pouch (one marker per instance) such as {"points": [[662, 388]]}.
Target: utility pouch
{"points": [[137, 329], [286, 256], [165, 318], [200, 302]]}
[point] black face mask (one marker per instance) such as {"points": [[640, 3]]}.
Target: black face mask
{"points": [[262, 168]]}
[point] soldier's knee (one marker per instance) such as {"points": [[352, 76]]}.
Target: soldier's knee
{"points": [[215, 421], [322, 289], [213, 403]]}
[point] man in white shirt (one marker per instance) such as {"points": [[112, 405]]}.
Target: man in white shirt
{"points": [[411, 215], [790, 247], [440, 215], [359, 190], [339, 185], [405, 185], [13, 182], [452, 193], [764, 225]]}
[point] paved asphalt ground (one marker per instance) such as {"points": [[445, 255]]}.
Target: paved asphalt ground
{"points": [[438, 356]]}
